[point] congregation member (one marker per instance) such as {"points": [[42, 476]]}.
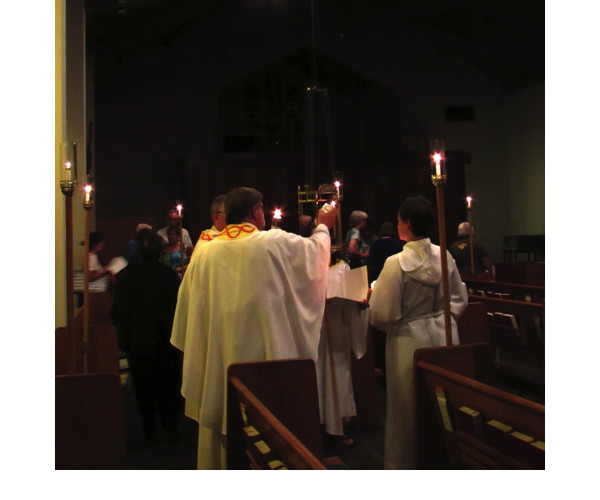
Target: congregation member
{"points": [[249, 295], [357, 247], [98, 274], [172, 254], [217, 215], [461, 251], [173, 220], [386, 245], [143, 309], [407, 303]]}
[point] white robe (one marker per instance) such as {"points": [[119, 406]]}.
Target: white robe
{"points": [[344, 331], [407, 303], [247, 296]]}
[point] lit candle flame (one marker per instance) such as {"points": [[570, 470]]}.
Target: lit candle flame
{"points": [[179, 209], [68, 165], [277, 214], [88, 193], [469, 200], [333, 203], [437, 158], [337, 184]]}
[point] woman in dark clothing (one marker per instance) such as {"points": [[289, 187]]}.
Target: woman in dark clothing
{"points": [[143, 310]]}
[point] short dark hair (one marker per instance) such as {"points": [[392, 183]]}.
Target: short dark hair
{"points": [[218, 204], [239, 203], [150, 245], [418, 210], [95, 237]]}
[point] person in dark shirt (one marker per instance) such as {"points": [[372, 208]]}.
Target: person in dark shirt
{"points": [[143, 310], [461, 251], [387, 244]]}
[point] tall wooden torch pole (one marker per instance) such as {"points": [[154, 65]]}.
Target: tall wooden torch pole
{"points": [[69, 269], [439, 189], [68, 184], [438, 177], [86, 289], [470, 221]]}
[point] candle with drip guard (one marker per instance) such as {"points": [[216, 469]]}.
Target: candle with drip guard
{"points": [[437, 158], [88, 194]]}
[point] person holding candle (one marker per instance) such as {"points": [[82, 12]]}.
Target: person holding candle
{"points": [[407, 303], [461, 252], [249, 295], [172, 254], [173, 222]]}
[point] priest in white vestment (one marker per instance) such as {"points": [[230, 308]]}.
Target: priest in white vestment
{"points": [[407, 303], [247, 295]]}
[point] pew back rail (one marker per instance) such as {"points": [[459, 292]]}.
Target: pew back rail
{"points": [[469, 412]]}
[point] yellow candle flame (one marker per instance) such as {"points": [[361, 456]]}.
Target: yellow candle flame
{"points": [[277, 214]]}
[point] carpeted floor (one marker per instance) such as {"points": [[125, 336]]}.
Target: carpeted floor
{"points": [[179, 453]]}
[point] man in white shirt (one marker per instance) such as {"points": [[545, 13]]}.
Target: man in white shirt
{"points": [[173, 219]]}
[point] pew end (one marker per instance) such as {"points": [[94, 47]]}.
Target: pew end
{"points": [[89, 423], [464, 422], [273, 417]]}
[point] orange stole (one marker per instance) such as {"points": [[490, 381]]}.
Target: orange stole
{"points": [[237, 231]]}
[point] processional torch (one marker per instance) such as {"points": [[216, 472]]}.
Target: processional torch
{"points": [[438, 177], [88, 203], [179, 208], [68, 184], [469, 199]]}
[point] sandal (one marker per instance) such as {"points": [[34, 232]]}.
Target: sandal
{"points": [[347, 441]]}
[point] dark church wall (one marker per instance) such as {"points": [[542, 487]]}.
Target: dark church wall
{"points": [[162, 111]]}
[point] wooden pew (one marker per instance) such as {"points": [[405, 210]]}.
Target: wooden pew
{"points": [[455, 403], [520, 349], [515, 291], [473, 325], [103, 350], [526, 273], [280, 401], [89, 422], [100, 306]]}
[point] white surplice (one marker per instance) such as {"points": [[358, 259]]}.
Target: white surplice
{"points": [[344, 331], [407, 303], [248, 295]]}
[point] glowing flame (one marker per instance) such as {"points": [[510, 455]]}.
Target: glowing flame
{"points": [[87, 188], [337, 184], [277, 214], [68, 164], [469, 200], [437, 158], [333, 203]]}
